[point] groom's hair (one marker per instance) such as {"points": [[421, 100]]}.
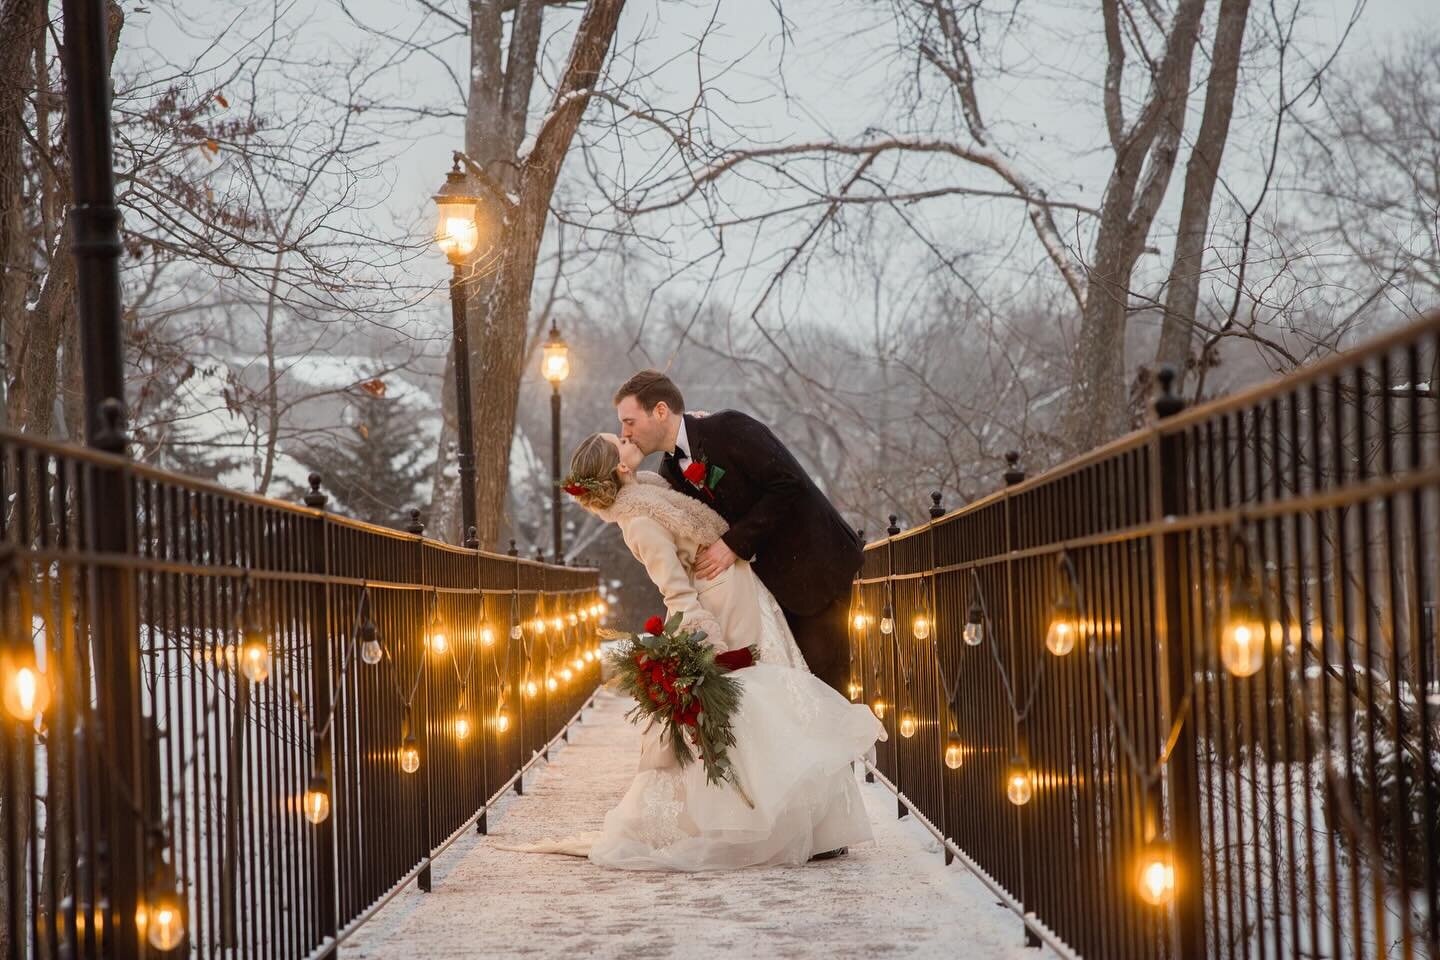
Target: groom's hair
{"points": [[650, 387]]}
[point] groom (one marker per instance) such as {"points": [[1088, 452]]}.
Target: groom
{"points": [[798, 544]]}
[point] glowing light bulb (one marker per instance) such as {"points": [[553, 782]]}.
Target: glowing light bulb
{"points": [[1019, 782], [558, 624], [316, 803], [409, 756], [164, 921], [921, 628], [566, 674], [462, 728], [1242, 639], [370, 651], [579, 664], [539, 626], [487, 637], [502, 721], [1155, 875], [954, 752], [255, 659], [516, 632], [531, 688], [855, 691], [589, 656], [878, 707], [584, 613], [27, 693], [574, 619], [552, 684], [1060, 637], [907, 725], [860, 621], [887, 625], [439, 642]]}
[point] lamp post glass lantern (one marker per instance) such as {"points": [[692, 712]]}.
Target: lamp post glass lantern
{"points": [[457, 233], [555, 367]]}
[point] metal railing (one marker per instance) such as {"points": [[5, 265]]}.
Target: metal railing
{"points": [[1203, 661], [206, 735]]}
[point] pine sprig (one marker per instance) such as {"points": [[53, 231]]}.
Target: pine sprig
{"points": [[675, 680]]}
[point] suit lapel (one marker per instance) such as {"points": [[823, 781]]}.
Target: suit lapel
{"points": [[696, 435]]}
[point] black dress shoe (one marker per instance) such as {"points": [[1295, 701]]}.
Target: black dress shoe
{"points": [[830, 854]]}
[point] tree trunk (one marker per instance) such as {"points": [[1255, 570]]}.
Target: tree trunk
{"points": [[1097, 407], [500, 306], [1201, 172], [18, 19]]}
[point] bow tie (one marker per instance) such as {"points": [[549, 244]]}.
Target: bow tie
{"points": [[678, 454]]}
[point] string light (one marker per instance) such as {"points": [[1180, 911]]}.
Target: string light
{"points": [[462, 727], [558, 624], [516, 631], [255, 656], [539, 625], [316, 802], [551, 684], [1242, 638], [878, 708], [502, 720], [409, 755], [1064, 629], [887, 622], [954, 752], [579, 664], [574, 619], [27, 691], [921, 628], [584, 613], [860, 621], [487, 637], [855, 690], [1155, 873], [438, 642], [974, 633], [566, 675], [907, 725], [531, 688], [1019, 782], [161, 918], [370, 651]]}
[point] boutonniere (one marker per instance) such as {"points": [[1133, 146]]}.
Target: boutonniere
{"points": [[704, 475]]}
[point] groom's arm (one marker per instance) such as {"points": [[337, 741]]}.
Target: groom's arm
{"points": [[760, 454]]}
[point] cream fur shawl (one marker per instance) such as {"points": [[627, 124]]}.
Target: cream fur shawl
{"points": [[683, 516]]}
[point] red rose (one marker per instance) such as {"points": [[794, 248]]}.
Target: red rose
{"points": [[655, 626], [574, 489], [695, 472]]}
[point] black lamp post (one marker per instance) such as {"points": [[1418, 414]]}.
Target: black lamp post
{"points": [[555, 365], [457, 233]]}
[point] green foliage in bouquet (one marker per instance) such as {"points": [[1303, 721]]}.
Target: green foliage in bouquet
{"points": [[673, 676]]}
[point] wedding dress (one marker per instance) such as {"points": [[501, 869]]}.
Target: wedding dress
{"points": [[795, 736]]}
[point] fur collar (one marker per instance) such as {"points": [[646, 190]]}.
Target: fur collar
{"points": [[683, 516]]}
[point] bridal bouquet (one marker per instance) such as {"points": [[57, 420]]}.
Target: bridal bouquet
{"points": [[677, 680]]}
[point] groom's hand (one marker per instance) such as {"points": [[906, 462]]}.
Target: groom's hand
{"points": [[714, 560]]}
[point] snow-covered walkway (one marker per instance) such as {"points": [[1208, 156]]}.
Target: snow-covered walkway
{"points": [[894, 898]]}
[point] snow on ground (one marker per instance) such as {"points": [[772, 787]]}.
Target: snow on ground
{"points": [[894, 898]]}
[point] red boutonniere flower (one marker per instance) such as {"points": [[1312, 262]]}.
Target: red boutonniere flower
{"points": [[655, 626], [695, 472]]}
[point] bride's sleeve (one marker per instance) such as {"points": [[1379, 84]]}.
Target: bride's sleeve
{"points": [[655, 548]]}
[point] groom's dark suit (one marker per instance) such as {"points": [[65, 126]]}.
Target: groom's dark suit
{"points": [[800, 547]]}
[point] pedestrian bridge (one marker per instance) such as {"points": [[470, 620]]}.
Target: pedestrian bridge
{"points": [[1179, 697]]}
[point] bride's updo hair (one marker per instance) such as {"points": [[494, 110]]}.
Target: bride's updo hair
{"points": [[592, 468]]}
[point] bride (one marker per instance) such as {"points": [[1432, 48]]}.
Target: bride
{"points": [[795, 736]]}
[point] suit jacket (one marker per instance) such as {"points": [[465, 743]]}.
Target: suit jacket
{"points": [[799, 545]]}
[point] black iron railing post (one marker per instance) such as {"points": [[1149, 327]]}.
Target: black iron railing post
{"points": [[420, 712], [322, 675], [1024, 813], [1177, 676], [892, 645]]}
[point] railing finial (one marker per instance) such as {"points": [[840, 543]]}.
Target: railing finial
{"points": [[1167, 404], [514, 551], [315, 498], [894, 527], [415, 525], [1013, 473], [936, 511], [472, 542]]}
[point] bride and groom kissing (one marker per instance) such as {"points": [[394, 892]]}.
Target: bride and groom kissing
{"points": [[743, 545]]}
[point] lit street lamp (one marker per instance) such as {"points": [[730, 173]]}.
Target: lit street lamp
{"points": [[458, 234], [555, 365]]}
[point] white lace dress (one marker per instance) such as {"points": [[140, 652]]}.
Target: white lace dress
{"points": [[795, 736]]}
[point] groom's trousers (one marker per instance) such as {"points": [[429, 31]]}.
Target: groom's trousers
{"points": [[824, 639]]}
